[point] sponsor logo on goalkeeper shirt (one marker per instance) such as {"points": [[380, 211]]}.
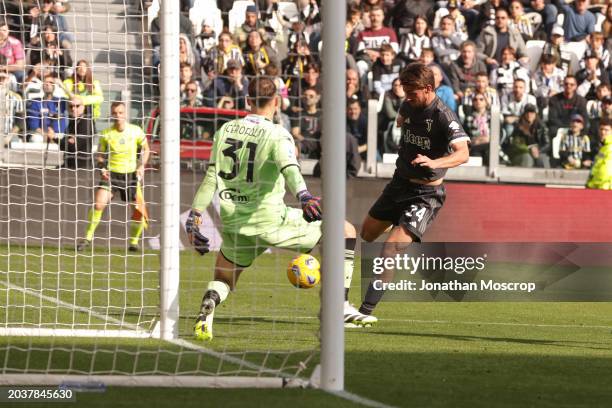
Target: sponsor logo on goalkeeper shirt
{"points": [[233, 195]]}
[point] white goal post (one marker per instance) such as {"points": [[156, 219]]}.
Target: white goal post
{"points": [[109, 316]]}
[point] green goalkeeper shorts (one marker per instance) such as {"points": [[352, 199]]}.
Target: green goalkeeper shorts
{"points": [[293, 233]]}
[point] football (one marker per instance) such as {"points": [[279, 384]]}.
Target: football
{"points": [[304, 271]]}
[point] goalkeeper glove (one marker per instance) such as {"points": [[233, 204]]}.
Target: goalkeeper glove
{"points": [[311, 206], [192, 227]]}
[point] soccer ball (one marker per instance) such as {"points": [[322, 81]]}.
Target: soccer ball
{"points": [[304, 271]]}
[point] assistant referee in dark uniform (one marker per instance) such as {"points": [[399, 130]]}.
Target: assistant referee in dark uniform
{"points": [[432, 141]]}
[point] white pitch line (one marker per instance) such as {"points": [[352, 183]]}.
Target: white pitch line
{"points": [[475, 323], [186, 344]]}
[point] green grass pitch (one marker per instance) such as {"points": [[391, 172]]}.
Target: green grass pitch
{"points": [[420, 354]]}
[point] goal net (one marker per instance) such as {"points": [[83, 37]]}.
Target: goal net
{"points": [[96, 313]]}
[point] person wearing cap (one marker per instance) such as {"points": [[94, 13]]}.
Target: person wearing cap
{"points": [[555, 47], [231, 84], [206, 40], [251, 23], [575, 145], [562, 105], [601, 172], [529, 143], [578, 22], [590, 76]]}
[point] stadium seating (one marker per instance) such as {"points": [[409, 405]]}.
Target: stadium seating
{"points": [[236, 14]]}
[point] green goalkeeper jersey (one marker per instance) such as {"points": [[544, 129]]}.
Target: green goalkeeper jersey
{"points": [[250, 159]]}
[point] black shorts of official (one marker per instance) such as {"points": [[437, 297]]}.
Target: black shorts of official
{"points": [[122, 183], [411, 205]]}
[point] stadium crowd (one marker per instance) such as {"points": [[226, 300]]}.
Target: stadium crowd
{"points": [[44, 96], [544, 65]]}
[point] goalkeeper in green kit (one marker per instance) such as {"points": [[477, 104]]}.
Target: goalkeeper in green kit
{"points": [[252, 159]]}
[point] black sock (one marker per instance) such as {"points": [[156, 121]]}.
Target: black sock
{"points": [[371, 299]]}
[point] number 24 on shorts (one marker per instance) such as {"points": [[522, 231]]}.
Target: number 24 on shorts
{"points": [[415, 211]]}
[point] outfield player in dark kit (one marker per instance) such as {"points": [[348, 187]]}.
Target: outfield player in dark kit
{"points": [[432, 141]]}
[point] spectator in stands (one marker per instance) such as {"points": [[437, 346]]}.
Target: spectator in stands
{"points": [[575, 145], [565, 104], [488, 12], [444, 92], [597, 46], [549, 16], [47, 118], [579, 22], [556, 49], [192, 97], [504, 75], [272, 71], [86, 87], [306, 126], [219, 56], [529, 144], [413, 43], [294, 66], [404, 12], [477, 124], [251, 23], [185, 27], [606, 26], [605, 115], [12, 81], [297, 34], [456, 18], [32, 84], [11, 104], [310, 15], [514, 103], [354, 88], [446, 42], [385, 70], [481, 87], [310, 79], [595, 106], [601, 172], [57, 60], [354, 15], [12, 49], [357, 125], [472, 18], [386, 118], [547, 80], [78, 141], [372, 38], [186, 77], [232, 84], [257, 55], [186, 54], [47, 15], [206, 39], [493, 39], [519, 21], [462, 72], [591, 76]]}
